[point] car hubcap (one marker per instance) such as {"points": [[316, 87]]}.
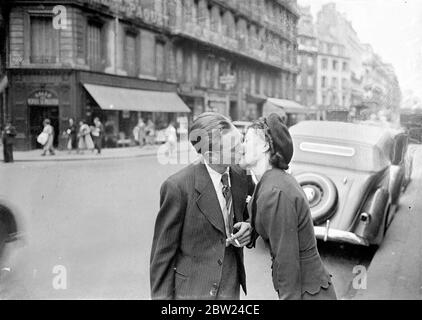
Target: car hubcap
{"points": [[313, 194]]}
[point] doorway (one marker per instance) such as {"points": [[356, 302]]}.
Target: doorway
{"points": [[37, 114]]}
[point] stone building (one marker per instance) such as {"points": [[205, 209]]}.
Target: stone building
{"points": [[3, 58], [381, 86], [306, 84], [333, 84], [124, 59], [336, 24]]}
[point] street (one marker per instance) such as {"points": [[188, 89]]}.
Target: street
{"points": [[93, 221]]}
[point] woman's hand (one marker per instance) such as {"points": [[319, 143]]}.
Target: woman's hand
{"points": [[243, 236]]}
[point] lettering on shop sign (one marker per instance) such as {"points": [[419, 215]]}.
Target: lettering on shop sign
{"points": [[43, 98]]}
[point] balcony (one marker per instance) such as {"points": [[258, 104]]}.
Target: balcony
{"points": [[130, 9]]}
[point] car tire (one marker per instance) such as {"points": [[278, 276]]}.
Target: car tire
{"points": [[3, 237], [325, 202]]}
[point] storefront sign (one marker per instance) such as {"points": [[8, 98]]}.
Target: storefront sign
{"points": [[43, 98]]}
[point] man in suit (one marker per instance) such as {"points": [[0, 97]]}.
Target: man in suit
{"points": [[193, 253], [9, 134]]}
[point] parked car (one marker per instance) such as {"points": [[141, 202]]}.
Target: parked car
{"points": [[352, 175], [9, 225]]}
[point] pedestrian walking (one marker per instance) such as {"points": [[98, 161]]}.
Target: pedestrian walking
{"points": [[85, 141], [150, 132], [71, 133], [139, 132], [48, 132], [171, 139], [8, 138], [98, 133]]}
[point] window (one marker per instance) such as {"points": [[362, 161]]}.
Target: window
{"points": [[160, 60], [257, 83], [43, 44], [310, 81], [334, 64], [130, 54], [94, 45], [324, 64], [299, 60], [324, 82], [344, 100], [345, 66], [344, 83], [179, 64], [334, 82], [195, 69], [148, 53], [299, 80], [310, 61], [208, 71]]}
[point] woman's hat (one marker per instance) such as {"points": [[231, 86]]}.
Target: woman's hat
{"points": [[282, 141]]}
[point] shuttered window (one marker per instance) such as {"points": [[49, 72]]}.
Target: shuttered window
{"points": [[94, 46], [159, 60], [147, 53], [43, 46], [130, 54]]}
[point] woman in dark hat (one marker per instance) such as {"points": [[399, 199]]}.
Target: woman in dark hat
{"points": [[281, 214]]}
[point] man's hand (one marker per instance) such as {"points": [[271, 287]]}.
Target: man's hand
{"points": [[243, 236]]}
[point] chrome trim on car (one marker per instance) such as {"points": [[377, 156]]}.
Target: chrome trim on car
{"points": [[327, 234], [330, 149]]}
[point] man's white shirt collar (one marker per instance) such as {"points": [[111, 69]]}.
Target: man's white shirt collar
{"points": [[216, 176]]}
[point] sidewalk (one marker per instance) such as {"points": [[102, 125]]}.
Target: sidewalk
{"points": [[106, 154], [395, 272]]}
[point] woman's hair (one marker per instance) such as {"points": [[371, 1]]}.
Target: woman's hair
{"points": [[276, 158]]}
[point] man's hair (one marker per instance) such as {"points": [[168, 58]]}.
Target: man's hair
{"points": [[207, 130]]}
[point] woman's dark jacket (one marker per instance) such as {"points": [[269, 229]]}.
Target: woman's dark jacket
{"points": [[281, 216]]}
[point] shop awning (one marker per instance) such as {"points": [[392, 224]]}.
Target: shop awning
{"points": [[116, 98], [288, 106]]}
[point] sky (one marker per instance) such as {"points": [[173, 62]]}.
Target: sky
{"points": [[392, 27]]}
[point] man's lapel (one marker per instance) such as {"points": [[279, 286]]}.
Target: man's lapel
{"points": [[207, 201], [239, 188]]}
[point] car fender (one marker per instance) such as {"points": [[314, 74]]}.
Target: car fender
{"points": [[396, 180], [370, 222]]}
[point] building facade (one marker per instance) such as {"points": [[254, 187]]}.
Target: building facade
{"points": [[333, 84], [3, 58], [66, 58], [382, 90], [307, 79], [332, 22]]}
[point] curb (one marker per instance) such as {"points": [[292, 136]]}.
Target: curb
{"points": [[86, 159]]}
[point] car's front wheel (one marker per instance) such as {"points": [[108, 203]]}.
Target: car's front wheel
{"points": [[3, 237]]}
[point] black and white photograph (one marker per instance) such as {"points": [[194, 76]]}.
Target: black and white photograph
{"points": [[211, 150]]}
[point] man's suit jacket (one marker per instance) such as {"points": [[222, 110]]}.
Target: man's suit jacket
{"points": [[189, 238]]}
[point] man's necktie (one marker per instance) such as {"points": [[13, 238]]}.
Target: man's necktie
{"points": [[228, 196]]}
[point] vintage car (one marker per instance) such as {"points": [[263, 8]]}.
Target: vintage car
{"points": [[8, 225], [352, 176]]}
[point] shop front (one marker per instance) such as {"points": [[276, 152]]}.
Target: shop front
{"points": [[121, 108]]}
